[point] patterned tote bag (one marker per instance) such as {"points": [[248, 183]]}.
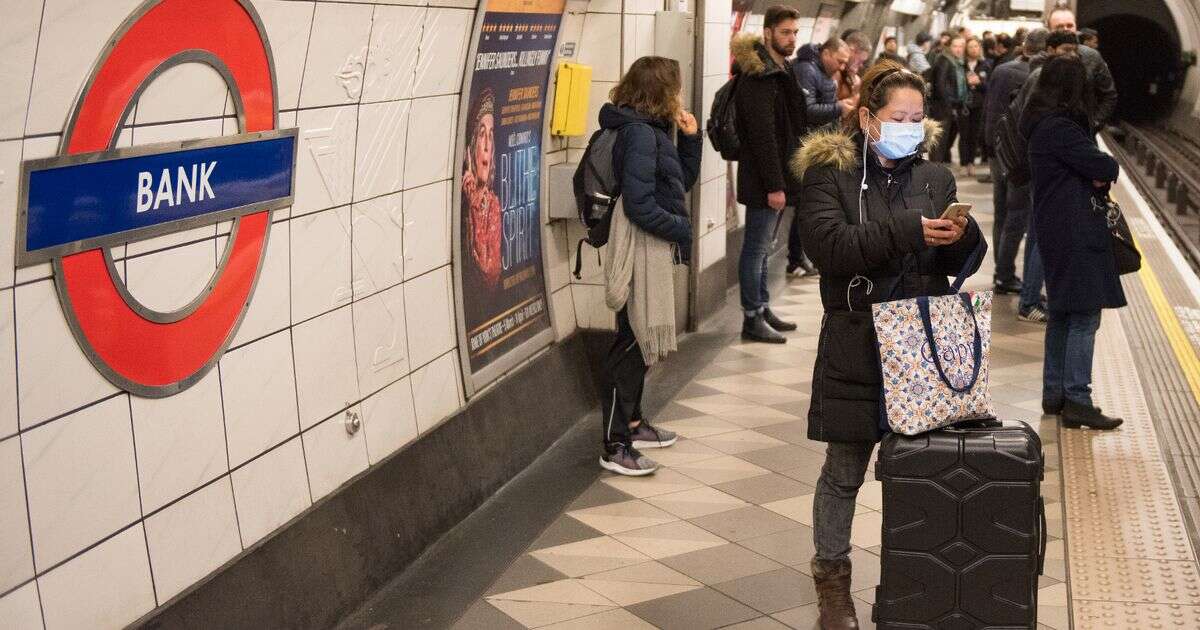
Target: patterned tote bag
{"points": [[933, 355]]}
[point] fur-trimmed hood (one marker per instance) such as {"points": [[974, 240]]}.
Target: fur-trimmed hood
{"points": [[834, 146], [751, 57]]}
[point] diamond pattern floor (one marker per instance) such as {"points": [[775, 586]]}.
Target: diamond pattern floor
{"points": [[721, 535]]}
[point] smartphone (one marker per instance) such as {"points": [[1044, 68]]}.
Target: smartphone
{"points": [[957, 211]]}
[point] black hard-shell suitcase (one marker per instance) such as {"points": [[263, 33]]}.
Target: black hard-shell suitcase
{"points": [[963, 528]]}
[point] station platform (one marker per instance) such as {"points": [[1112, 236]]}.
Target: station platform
{"points": [[721, 535]]}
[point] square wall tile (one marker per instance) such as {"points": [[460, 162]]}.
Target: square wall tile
{"points": [[192, 538], [717, 10], [712, 205], [270, 306], [563, 313], [259, 389], [169, 280], [53, 374], [379, 153], [380, 339], [325, 158], [18, 43], [73, 34], [320, 251], [600, 46], [557, 250], [377, 238], [389, 420], [81, 478], [591, 313], [8, 366], [107, 587], [444, 41], [337, 54], [270, 490], [427, 240], [288, 25], [437, 391], [10, 175], [712, 248], [326, 375], [333, 454], [392, 60], [716, 52], [15, 555], [21, 609], [185, 91], [432, 140], [430, 315], [180, 441], [639, 38]]}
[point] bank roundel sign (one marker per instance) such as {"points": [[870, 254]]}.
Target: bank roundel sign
{"points": [[90, 197]]}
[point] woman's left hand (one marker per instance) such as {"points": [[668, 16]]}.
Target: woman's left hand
{"points": [[687, 122]]}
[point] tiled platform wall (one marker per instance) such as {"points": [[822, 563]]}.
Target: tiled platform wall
{"points": [[110, 504]]}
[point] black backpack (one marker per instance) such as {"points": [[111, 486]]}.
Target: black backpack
{"points": [[597, 190], [1012, 149], [722, 122]]}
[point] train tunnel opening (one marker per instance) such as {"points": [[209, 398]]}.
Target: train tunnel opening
{"points": [[1144, 60]]}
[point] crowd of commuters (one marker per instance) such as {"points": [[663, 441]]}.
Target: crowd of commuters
{"points": [[858, 154]]}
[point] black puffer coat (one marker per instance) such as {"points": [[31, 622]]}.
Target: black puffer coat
{"points": [[770, 121], [888, 249], [654, 173], [1076, 247]]}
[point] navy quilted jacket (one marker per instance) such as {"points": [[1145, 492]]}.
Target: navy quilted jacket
{"points": [[654, 173]]}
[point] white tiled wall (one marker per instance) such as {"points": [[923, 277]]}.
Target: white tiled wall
{"points": [[112, 504]]}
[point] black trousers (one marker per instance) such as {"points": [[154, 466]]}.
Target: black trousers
{"points": [[950, 129], [970, 136], [625, 379]]}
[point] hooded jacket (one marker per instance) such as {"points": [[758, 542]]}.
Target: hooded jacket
{"points": [[1073, 238], [654, 174], [876, 257], [770, 121], [820, 90]]}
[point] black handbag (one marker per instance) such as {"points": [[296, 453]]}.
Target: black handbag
{"points": [[1129, 259]]}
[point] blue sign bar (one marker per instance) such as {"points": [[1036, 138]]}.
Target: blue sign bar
{"points": [[75, 203]]}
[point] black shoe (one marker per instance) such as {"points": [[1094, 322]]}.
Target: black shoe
{"points": [[757, 329], [776, 323], [1008, 287], [808, 268], [1075, 416], [1052, 407]]}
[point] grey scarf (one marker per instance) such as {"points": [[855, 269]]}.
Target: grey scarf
{"points": [[639, 274]]}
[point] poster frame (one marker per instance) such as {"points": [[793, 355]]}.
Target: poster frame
{"points": [[474, 382]]}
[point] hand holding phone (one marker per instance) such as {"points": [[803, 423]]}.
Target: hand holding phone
{"points": [[957, 211]]}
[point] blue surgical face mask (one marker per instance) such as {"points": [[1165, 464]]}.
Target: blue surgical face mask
{"points": [[899, 140]]}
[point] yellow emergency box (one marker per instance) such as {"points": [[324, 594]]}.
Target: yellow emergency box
{"points": [[572, 87]]}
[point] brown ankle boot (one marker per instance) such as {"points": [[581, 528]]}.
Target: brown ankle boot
{"points": [[832, 579]]}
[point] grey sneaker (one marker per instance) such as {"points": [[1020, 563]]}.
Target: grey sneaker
{"points": [[1033, 314], [626, 460], [646, 436]]}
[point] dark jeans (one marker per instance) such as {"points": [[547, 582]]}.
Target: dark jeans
{"points": [[1070, 344], [752, 265], [1007, 238], [795, 248], [837, 488], [1035, 274], [999, 215], [970, 136], [625, 376]]}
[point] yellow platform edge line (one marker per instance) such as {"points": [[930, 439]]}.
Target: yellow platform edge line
{"points": [[1185, 352]]}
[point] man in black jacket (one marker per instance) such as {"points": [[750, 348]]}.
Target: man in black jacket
{"points": [[770, 120], [1006, 237]]}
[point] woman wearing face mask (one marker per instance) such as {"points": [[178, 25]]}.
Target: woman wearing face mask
{"points": [[870, 215]]}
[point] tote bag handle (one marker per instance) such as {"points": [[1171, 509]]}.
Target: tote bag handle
{"points": [[968, 267], [927, 322]]}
